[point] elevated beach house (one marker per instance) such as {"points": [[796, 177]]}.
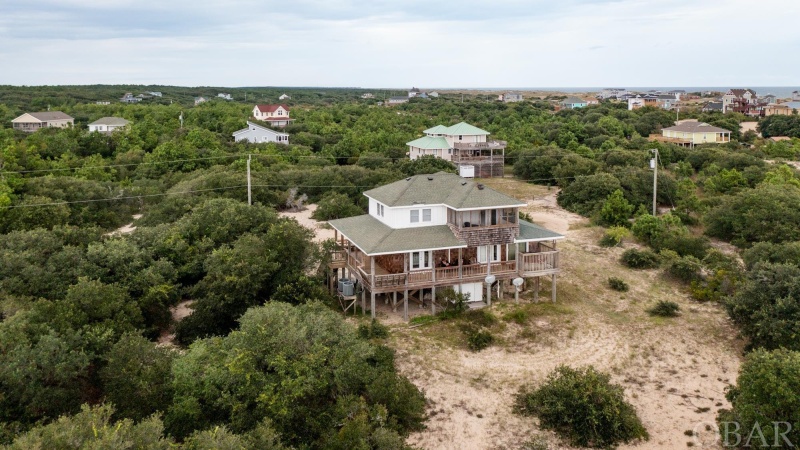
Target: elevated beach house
{"points": [[275, 115], [30, 122], [430, 232], [108, 124], [466, 146]]}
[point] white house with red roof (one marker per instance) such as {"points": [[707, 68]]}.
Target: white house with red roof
{"points": [[275, 115]]}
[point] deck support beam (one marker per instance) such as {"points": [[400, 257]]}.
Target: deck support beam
{"points": [[553, 290], [405, 306]]}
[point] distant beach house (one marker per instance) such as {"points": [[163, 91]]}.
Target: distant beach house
{"points": [[413, 92], [225, 96], [30, 122], [796, 96], [640, 101], [510, 97], [612, 93], [692, 132], [199, 100], [739, 100], [396, 100], [712, 107], [285, 97], [155, 93], [678, 93], [367, 95], [466, 146], [769, 98], [103, 102], [666, 101], [108, 124], [433, 94], [258, 134], [573, 103], [275, 115], [130, 98]]}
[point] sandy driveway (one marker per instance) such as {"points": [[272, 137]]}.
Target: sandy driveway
{"points": [[321, 232]]}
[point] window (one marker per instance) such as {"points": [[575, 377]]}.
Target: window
{"points": [[380, 210], [420, 260], [426, 215], [459, 137], [414, 215]]}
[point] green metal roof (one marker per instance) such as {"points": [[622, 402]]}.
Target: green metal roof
{"points": [[440, 188], [375, 238], [429, 143], [573, 101], [464, 128], [438, 129], [531, 232]]}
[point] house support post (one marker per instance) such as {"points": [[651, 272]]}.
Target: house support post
{"points": [[394, 301], [553, 293], [536, 290], [405, 305], [363, 300], [488, 272], [433, 288], [460, 269], [372, 285]]}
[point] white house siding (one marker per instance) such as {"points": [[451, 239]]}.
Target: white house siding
{"points": [[258, 135], [400, 217], [415, 152], [465, 139]]}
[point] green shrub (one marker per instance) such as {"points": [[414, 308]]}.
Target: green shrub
{"points": [[478, 338], [375, 330], [640, 259], [334, 205], [664, 308], [480, 317], [767, 391], [686, 269], [616, 210], [614, 236], [618, 284], [584, 407]]}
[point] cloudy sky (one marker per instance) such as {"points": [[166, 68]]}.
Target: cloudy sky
{"points": [[386, 43]]}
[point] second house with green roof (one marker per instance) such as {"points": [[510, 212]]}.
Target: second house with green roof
{"points": [[430, 232], [466, 146]]}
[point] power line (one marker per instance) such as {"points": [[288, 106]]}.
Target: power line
{"points": [[131, 197]]}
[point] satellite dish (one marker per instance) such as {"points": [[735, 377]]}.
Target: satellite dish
{"points": [[490, 279], [518, 282]]}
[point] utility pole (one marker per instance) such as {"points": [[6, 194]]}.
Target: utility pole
{"points": [[249, 185], [654, 166]]}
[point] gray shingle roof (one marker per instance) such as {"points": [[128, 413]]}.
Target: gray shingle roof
{"points": [[374, 238], [114, 121], [440, 189], [697, 127], [50, 115], [532, 232]]}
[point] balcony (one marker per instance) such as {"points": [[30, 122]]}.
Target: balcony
{"points": [[488, 145]]}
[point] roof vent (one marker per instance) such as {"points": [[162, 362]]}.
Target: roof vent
{"points": [[463, 183], [408, 179], [480, 186], [430, 178]]}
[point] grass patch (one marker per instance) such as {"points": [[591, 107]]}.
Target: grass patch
{"points": [[519, 316], [423, 320]]}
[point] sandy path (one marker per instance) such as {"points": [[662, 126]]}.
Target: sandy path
{"points": [[674, 371], [321, 233]]}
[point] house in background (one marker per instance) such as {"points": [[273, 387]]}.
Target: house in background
{"points": [[666, 101], [413, 92], [275, 115], [367, 95], [130, 98], [155, 93], [796, 96], [712, 107], [108, 124], [691, 132], [466, 146], [612, 93], [30, 122], [767, 99], [225, 96], [678, 94], [102, 102], [739, 100], [572, 103], [430, 232], [433, 94], [285, 97], [258, 134], [510, 97], [640, 101], [396, 100], [199, 100]]}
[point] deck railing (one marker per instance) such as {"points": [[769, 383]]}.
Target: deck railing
{"points": [[538, 262]]}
